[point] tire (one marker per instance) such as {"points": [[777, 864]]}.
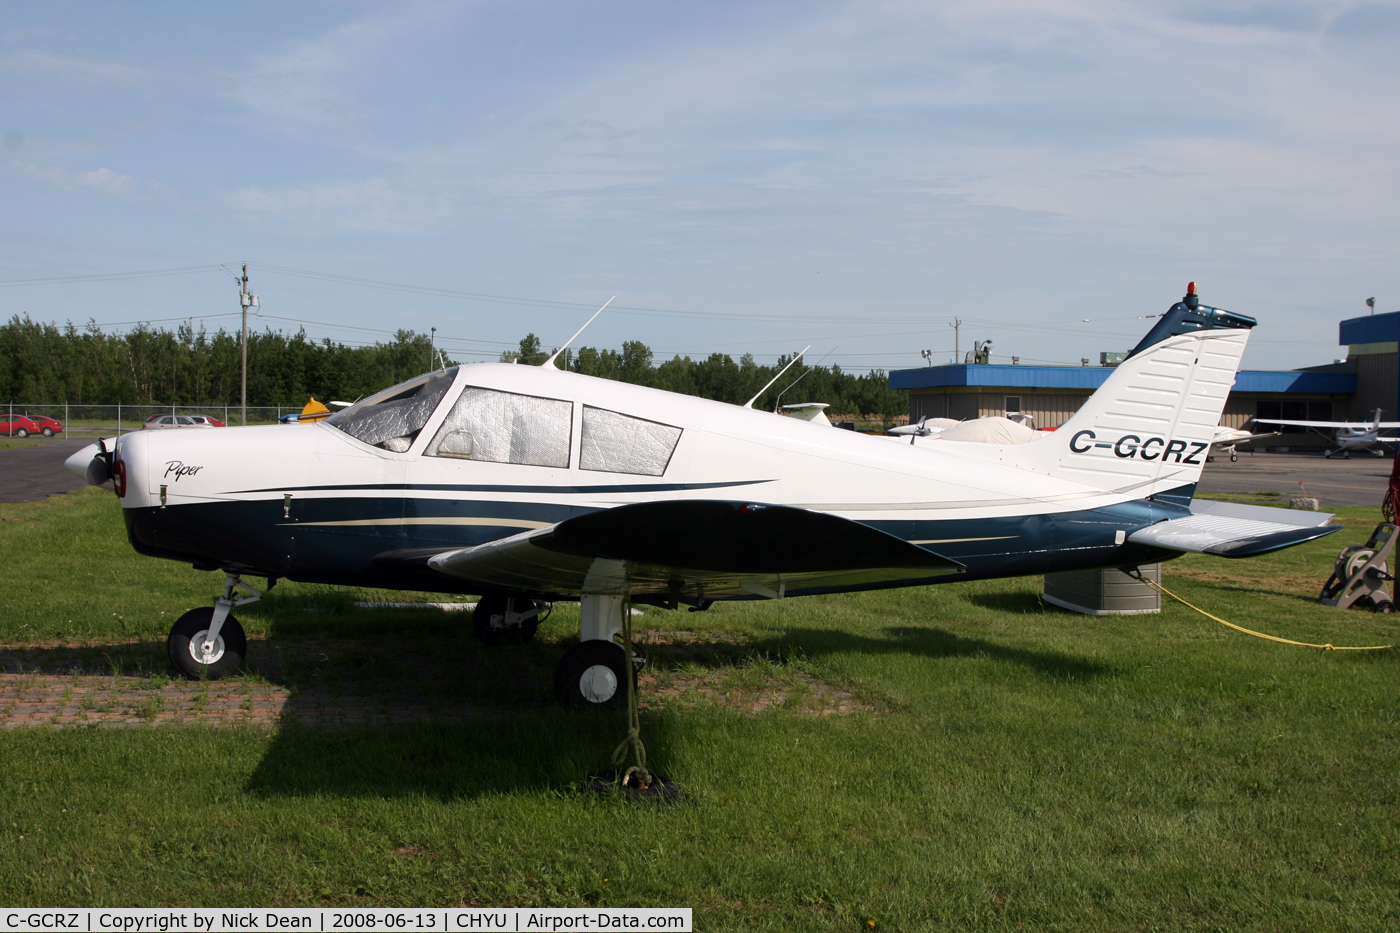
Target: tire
{"points": [[1327, 454], [1234, 458], [489, 620], [589, 676], [1384, 606], [47, 432], [21, 432], [188, 631]]}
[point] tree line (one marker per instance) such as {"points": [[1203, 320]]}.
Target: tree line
{"points": [[721, 378], [52, 364]]}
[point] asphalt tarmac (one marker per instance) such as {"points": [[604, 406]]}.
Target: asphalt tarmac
{"points": [[35, 471], [1362, 480], [30, 473]]}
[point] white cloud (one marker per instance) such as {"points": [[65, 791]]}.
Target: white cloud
{"points": [[363, 206], [40, 63], [101, 181]]}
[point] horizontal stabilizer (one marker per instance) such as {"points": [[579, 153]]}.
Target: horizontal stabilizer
{"points": [[1232, 530], [696, 549]]}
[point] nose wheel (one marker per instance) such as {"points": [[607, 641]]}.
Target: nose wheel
{"points": [[208, 642], [197, 656], [500, 621]]}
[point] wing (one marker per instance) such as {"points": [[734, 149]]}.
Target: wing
{"points": [[1231, 441], [690, 550], [1337, 425], [1227, 529]]}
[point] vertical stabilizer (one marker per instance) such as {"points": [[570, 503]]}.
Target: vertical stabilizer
{"points": [[1150, 425]]}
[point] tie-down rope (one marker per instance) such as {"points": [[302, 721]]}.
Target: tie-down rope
{"points": [[634, 725], [1137, 574]]}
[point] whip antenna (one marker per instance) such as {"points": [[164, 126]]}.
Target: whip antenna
{"points": [[749, 403], [550, 361]]}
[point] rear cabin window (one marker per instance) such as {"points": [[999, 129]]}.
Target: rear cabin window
{"points": [[393, 418], [616, 443], [503, 427]]}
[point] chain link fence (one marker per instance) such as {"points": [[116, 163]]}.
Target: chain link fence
{"points": [[106, 420]]}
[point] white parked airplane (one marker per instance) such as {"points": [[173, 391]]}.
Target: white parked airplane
{"points": [[1347, 435], [1226, 439], [530, 485]]}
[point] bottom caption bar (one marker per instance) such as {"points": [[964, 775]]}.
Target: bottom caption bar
{"points": [[437, 920]]}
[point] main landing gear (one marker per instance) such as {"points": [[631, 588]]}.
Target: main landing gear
{"points": [[208, 642], [590, 675]]}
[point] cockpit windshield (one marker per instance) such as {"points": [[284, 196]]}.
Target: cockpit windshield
{"points": [[393, 418]]}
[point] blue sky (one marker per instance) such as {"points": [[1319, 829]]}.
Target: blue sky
{"points": [[742, 176]]}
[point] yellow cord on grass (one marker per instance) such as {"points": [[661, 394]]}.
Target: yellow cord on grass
{"points": [[1287, 641]]}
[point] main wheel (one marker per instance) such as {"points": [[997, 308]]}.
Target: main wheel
{"points": [[187, 638], [47, 432], [589, 676], [501, 621], [21, 432], [1327, 453], [1234, 458]]}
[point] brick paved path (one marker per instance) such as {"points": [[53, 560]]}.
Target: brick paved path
{"points": [[344, 682]]}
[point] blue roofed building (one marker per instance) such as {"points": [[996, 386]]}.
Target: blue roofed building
{"points": [[1347, 390]]}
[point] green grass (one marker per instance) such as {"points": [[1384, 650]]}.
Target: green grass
{"points": [[1024, 768]]}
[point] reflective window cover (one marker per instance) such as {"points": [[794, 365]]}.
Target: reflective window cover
{"points": [[503, 427], [393, 418], [614, 443]]}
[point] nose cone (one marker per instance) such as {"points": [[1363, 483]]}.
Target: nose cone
{"points": [[90, 466], [78, 463]]}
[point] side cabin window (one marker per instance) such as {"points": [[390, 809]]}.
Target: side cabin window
{"points": [[503, 427], [393, 418], [616, 443]]}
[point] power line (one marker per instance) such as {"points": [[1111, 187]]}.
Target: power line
{"points": [[110, 276]]}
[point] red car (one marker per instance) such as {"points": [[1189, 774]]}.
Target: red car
{"points": [[17, 426], [47, 426]]}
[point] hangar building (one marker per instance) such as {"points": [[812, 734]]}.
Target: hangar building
{"points": [[1367, 379]]}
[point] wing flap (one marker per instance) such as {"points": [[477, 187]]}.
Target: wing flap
{"points": [[1235, 532], [695, 549]]}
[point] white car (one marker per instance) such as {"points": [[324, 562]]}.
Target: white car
{"points": [[161, 422]]}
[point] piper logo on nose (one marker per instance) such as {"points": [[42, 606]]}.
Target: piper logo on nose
{"points": [[1131, 445], [179, 469]]}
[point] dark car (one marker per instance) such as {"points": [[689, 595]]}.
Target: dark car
{"points": [[17, 426], [47, 426]]}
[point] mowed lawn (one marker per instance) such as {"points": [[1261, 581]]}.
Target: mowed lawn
{"points": [[1006, 767]]}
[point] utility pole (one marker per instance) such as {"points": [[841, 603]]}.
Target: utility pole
{"points": [[247, 301], [957, 339], [432, 345]]}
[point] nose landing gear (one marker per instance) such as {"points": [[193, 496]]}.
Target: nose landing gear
{"points": [[208, 642]]}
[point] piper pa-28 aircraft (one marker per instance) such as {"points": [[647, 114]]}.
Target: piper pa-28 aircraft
{"points": [[1347, 435], [529, 485]]}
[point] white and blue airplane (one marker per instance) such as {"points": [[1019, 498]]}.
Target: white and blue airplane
{"points": [[530, 485], [1347, 435]]}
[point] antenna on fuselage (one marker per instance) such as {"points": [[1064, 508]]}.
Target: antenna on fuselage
{"points": [[778, 404], [550, 361], [749, 403]]}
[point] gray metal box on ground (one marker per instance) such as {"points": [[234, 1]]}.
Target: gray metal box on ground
{"points": [[1104, 592]]}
